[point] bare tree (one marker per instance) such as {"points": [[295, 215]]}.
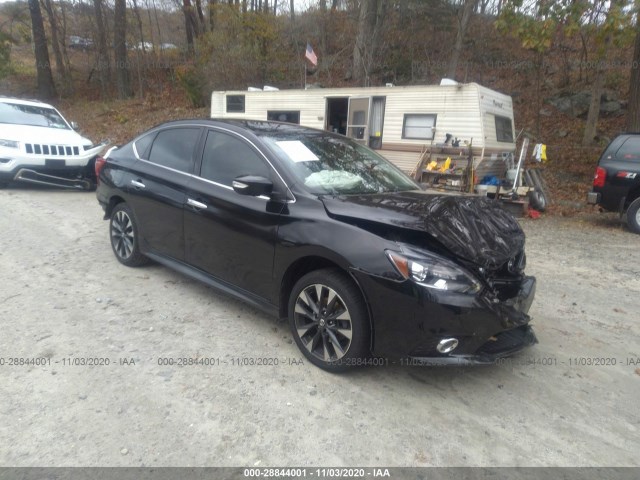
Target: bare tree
{"points": [[63, 36], [369, 25], [212, 14], [46, 87], [200, 18], [633, 115], [190, 25], [103, 65], [591, 125], [463, 23], [120, 47], [61, 67]]}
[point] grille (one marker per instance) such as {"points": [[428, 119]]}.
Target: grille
{"points": [[52, 150], [506, 280], [506, 341]]}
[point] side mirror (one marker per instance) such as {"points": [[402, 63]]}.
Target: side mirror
{"points": [[252, 186], [74, 125]]}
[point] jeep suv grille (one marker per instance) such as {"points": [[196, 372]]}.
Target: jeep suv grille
{"points": [[54, 150]]}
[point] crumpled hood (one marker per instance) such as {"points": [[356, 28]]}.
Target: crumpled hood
{"points": [[474, 228]]}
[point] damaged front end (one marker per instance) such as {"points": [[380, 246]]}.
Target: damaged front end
{"points": [[450, 314], [458, 293]]}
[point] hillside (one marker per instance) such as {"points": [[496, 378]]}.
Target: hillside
{"points": [[414, 46]]}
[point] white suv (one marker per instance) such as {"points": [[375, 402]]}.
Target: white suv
{"points": [[38, 145]]}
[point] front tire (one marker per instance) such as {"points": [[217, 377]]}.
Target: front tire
{"points": [[329, 320], [123, 232], [633, 216]]}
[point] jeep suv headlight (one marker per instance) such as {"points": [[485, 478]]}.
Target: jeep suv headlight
{"points": [[433, 271], [9, 143]]}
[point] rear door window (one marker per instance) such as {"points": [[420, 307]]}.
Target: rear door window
{"points": [[173, 148], [142, 145], [630, 150]]}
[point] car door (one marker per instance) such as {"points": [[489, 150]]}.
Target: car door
{"points": [[228, 235], [158, 189]]}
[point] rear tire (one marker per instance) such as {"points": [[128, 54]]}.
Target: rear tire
{"points": [[124, 236], [633, 216], [329, 320]]}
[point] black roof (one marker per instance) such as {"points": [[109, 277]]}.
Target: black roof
{"points": [[256, 126]]}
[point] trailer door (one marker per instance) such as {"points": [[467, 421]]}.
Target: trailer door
{"points": [[358, 119]]}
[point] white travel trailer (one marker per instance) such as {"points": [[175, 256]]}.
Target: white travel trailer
{"points": [[416, 127]]}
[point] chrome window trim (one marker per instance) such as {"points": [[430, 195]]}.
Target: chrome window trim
{"points": [[226, 130], [166, 168], [227, 187]]}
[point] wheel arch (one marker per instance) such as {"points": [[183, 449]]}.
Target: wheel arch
{"points": [[307, 264], [113, 201], [633, 194]]}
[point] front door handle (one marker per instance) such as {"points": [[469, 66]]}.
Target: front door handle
{"points": [[196, 204], [137, 184]]}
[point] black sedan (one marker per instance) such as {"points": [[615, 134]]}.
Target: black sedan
{"points": [[316, 228]]}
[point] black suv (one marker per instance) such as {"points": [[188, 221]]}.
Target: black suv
{"points": [[616, 184]]}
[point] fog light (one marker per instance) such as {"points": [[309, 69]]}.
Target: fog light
{"points": [[447, 345]]}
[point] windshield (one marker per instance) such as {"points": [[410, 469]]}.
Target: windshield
{"points": [[328, 164], [17, 114]]}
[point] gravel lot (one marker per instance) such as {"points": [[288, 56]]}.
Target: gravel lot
{"points": [[64, 297]]}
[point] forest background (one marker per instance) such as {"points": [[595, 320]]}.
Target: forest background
{"points": [[118, 67]]}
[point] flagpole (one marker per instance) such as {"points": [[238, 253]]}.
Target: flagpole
{"points": [[305, 74]]}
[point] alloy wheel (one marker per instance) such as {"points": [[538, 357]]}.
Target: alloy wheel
{"points": [[122, 234], [323, 322]]}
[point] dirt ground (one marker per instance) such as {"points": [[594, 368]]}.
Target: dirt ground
{"points": [[64, 299]]}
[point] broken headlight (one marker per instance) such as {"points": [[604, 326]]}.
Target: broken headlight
{"points": [[433, 271]]}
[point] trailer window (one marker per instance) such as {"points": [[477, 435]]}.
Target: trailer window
{"points": [[235, 103], [419, 126], [504, 129], [284, 116]]}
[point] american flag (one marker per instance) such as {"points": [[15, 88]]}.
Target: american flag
{"points": [[310, 55]]}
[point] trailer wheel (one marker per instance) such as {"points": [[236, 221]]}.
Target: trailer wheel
{"points": [[538, 200]]}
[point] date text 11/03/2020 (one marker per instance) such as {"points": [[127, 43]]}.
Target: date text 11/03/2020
{"points": [[208, 361], [316, 472]]}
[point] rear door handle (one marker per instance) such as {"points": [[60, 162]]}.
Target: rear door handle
{"points": [[196, 204], [137, 184]]}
